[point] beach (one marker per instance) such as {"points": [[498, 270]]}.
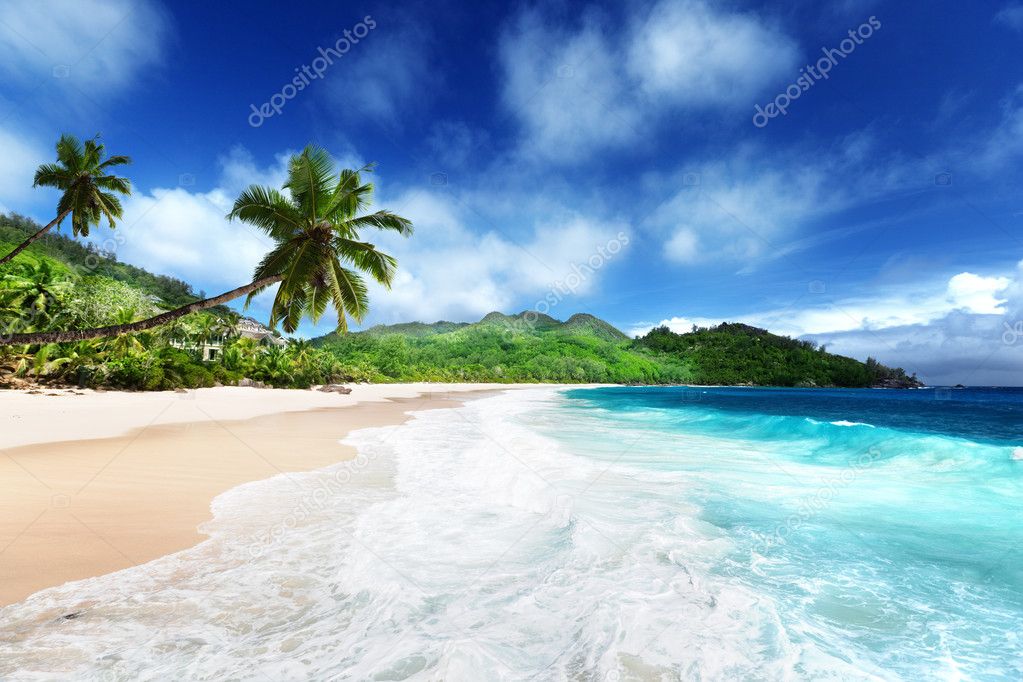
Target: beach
{"points": [[548, 533], [94, 482]]}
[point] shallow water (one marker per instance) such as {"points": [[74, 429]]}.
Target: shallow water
{"points": [[609, 534]]}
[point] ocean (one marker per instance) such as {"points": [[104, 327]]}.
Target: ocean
{"points": [[592, 534]]}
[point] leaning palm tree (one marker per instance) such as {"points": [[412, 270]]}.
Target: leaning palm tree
{"points": [[318, 254], [89, 189]]}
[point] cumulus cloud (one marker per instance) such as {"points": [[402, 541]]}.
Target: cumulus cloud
{"points": [[456, 268], [184, 233], [579, 90], [698, 54], [98, 45]]}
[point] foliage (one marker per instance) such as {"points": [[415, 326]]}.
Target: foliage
{"points": [[531, 348], [39, 292], [736, 354], [501, 348], [83, 175], [87, 259], [318, 252]]}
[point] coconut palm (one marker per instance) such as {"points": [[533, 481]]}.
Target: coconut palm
{"points": [[301, 350], [31, 293], [89, 190], [125, 344], [318, 253]]}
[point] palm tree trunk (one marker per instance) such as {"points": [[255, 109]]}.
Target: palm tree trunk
{"points": [[28, 242], [142, 325]]}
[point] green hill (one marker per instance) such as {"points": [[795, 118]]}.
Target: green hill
{"points": [[87, 259], [527, 347], [740, 354]]}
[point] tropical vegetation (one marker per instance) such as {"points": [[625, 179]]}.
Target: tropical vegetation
{"points": [[536, 348], [318, 254]]}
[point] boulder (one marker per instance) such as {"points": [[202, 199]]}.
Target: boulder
{"points": [[335, 388]]}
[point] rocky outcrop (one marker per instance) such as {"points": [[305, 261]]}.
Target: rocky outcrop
{"points": [[335, 388]]}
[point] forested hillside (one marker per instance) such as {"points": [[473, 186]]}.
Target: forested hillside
{"points": [[740, 354], [527, 347]]}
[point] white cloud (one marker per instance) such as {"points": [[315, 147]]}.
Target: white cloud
{"points": [[739, 210], [679, 325], [580, 91], [97, 45], [17, 168], [454, 269], [684, 246], [186, 234], [697, 54], [566, 88], [957, 330], [979, 295], [751, 204]]}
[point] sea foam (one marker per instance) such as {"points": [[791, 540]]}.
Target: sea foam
{"points": [[527, 536]]}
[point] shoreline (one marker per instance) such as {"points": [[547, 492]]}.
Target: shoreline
{"points": [[95, 482]]}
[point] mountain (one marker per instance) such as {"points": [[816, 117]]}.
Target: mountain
{"points": [[524, 347], [528, 347]]}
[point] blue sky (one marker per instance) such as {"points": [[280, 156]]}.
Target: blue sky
{"points": [[598, 157]]}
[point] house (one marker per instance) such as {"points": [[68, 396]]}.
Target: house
{"points": [[246, 328]]}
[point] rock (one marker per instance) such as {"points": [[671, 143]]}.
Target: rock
{"points": [[217, 384], [180, 390], [249, 383], [335, 388]]}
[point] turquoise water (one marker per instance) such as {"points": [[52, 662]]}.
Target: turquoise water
{"points": [[603, 535], [889, 524]]}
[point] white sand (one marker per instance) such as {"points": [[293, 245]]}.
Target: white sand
{"points": [[62, 415], [97, 482]]}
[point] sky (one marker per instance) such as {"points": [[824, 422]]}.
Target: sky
{"points": [[845, 171]]}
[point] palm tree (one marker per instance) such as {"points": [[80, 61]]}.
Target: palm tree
{"points": [[84, 176], [301, 350], [30, 293], [314, 224], [125, 344]]}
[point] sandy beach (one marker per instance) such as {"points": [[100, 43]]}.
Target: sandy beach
{"points": [[93, 482]]}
